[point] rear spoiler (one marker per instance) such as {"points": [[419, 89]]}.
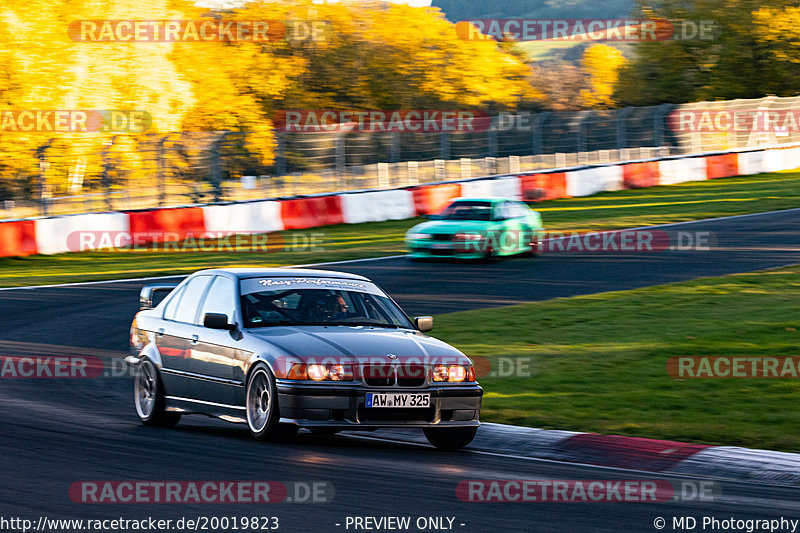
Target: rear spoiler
{"points": [[148, 291]]}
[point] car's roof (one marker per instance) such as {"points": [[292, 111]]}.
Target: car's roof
{"points": [[488, 199], [243, 273]]}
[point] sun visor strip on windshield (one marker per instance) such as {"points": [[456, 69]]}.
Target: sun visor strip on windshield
{"points": [[283, 283]]}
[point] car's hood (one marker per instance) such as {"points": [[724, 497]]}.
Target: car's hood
{"points": [[361, 342], [451, 226]]}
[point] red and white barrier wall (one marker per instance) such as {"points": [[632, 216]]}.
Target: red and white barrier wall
{"points": [[62, 234]]}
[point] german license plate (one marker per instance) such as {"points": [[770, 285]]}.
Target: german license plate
{"points": [[397, 399], [441, 245]]}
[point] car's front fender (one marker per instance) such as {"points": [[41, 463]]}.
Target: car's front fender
{"points": [[150, 351]]}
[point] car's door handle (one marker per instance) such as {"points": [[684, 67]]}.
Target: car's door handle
{"points": [[195, 339], [160, 332]]}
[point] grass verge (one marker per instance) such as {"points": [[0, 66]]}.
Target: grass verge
{"points": [[605, 211], [598, 361]]}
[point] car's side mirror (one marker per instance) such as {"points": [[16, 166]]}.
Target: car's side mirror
{"points": [[424, 323], [217, 321], [147, 295]]}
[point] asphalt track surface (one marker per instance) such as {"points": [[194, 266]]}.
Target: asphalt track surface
{"points": [[57, 432]]}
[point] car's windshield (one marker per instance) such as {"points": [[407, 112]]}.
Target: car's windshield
{"points": [[467, 210], [297, 304]]}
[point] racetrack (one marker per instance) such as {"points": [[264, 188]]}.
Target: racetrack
{"points": [[57, 432]]}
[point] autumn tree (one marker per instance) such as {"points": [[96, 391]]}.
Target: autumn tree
{"points": [[601, 63]]}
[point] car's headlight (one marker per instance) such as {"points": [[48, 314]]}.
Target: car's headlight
{"points": [[417, 236], [468, 236], [453, 373], [317, 372]]}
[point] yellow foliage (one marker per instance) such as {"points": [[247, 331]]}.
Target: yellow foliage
{"points": [[601, 63]]}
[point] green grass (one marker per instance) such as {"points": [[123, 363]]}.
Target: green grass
{"points": [[613, 210], [599, 361]]}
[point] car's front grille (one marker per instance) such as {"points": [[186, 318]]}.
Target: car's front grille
{"points": [[411, 414], [388, 375]]}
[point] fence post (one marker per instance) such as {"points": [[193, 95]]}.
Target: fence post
{"points": [[280, 153], [538, 132], [622, 128], [216, 167], [394, 147], [341, 155], [581, 137], [42, 186], [161, 165], [658, 126], [444, 145], [106, 176], [492, 147]]}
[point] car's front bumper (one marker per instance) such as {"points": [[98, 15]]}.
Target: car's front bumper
{"points": [[343, 406], [444, 249]]}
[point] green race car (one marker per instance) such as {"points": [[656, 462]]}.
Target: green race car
{"points": [[476, 228]]}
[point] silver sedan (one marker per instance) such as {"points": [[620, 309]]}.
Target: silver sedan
{"points": [[281, 349]]}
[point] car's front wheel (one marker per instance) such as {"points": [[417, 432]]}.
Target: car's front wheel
{"points": [[262, 403], [450, 438], [148, 397]]}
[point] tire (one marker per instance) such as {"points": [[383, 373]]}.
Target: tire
{"points": [[148, 397], [262, 404], [450, 438]]}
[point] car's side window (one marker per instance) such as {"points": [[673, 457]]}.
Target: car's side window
{"points": [[220, 299], [512, 211], [187, 309], [172, 305], [503, 211]]}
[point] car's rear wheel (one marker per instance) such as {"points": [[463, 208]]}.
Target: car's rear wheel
{"points": [[148, 397], [262, 403], [450, 438]]}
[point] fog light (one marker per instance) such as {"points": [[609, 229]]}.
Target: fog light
{"points": [[457, 373], [317, 372], [440, 373]]}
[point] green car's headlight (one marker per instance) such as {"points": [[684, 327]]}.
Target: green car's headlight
{"points": [[416, 236], [468, 236]]}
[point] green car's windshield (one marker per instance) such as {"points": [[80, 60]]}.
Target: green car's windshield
{"points": [[467, 210], [320, 306]]}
